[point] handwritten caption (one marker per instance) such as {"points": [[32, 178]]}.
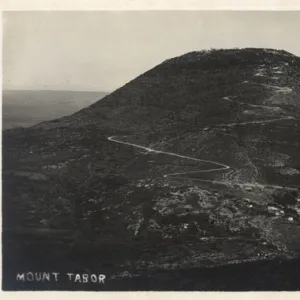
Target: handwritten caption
{"points": [[56, 277]]}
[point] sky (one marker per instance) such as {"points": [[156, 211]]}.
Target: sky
{"points": [[103, 50]]}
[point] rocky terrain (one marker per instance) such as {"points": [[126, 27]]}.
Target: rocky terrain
{"points": [[182, 179]]}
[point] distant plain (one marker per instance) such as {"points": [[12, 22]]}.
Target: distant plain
{"points": [[23, 108]]}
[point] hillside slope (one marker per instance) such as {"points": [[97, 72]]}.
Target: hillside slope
{"points": [[193, 164]]}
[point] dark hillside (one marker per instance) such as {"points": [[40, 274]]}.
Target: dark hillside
{"points": [[193, 164]]}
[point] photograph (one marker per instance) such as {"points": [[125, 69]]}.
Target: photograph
{"points": [[151, 150]]}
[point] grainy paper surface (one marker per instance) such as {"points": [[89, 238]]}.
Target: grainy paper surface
{"points": [[20, 75]]}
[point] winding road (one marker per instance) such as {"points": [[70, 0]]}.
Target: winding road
{"points": [[218, 166]]}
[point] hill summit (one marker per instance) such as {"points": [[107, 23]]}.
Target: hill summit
{"points": [[201, 153], [168, 93]]}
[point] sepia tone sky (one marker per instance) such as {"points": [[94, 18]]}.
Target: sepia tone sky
{"points": [[104, 50]]}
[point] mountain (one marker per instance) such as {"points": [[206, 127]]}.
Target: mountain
{"points": [[193, 164], [18, 105]]}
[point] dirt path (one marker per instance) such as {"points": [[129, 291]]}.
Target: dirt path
{"points": [[218, 166]]}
